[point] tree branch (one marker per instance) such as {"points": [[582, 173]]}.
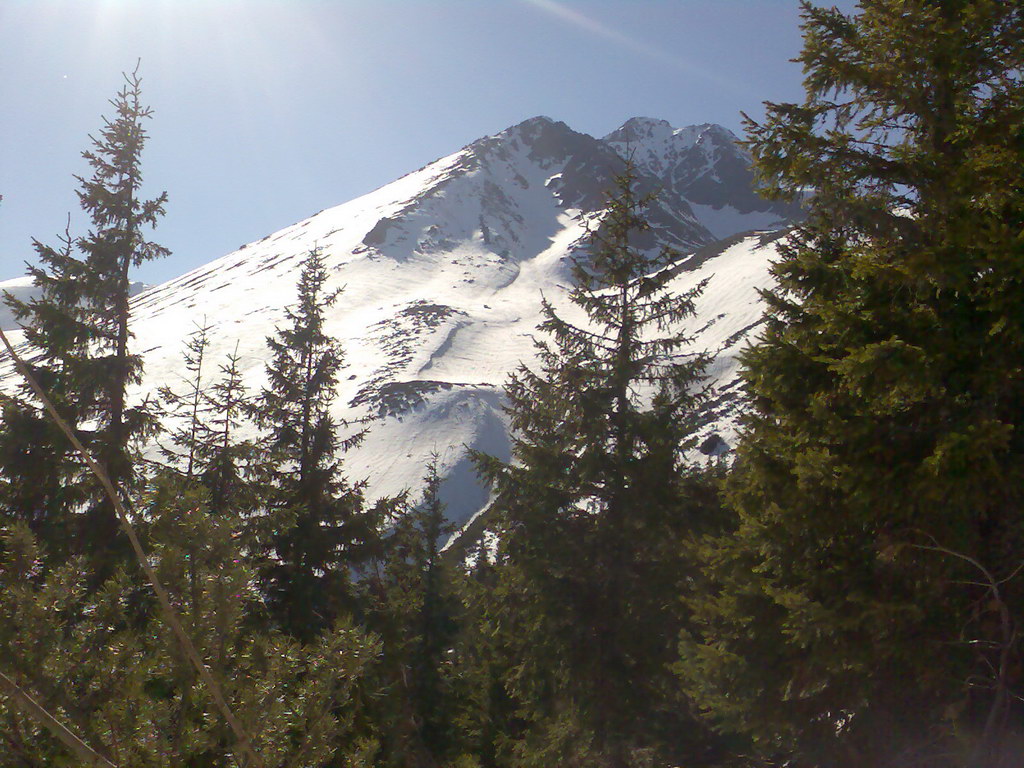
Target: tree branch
{"points": [[33, 709]]}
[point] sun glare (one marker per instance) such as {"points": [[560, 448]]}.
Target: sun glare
{"points": [[587, 24]]}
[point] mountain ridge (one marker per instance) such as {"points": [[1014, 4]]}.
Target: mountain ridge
{"points": [[443, 270]]}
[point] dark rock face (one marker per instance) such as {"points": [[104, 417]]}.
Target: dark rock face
{"points": [[713, 445], [589, 171], [705, 165]]}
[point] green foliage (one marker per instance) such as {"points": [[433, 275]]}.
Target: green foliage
{"points": [[865, 610], [231, 469], [322, 526], [187, 408], [79, 325], [486, 650], [412, 606], [204, 451], [593, 512], [104, 662]]}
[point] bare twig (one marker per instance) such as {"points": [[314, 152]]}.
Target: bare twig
{"points": [[1001, 672], [140, 555], [33, 709]]}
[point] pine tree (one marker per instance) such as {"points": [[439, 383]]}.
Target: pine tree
{"points": [[187, 408], [488, 717], [324, 527], [413, 609], [866, 610], [104, 662], [203, 434], [229, 467], [79, 326], [591, 508]]}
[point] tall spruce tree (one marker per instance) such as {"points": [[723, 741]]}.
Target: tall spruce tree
{"points": [[868, 608], [592, 511], [324, 527], [413, 610], [79, 327]]}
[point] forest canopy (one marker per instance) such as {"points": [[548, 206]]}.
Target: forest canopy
{"points": [[847, 589]]}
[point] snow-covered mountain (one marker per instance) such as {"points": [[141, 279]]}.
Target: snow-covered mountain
{"points": [[443, 272], [704, 165]]}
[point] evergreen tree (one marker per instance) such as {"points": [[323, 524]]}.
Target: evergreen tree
{"points": [[488, 718], [107, 666], [79, 326], [414, 611], [323, 526], [867, 609], [205, 449], [592, 512], [229, 468], [187, 408]]}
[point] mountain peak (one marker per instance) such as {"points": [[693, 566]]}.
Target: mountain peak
{"points": [[705, 165], [649, 131], [541, 139], [638, 129], [536, 128], [712, 132], [537, 121]]}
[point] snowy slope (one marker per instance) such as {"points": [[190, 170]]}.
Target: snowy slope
{"points": [[442, 272]]}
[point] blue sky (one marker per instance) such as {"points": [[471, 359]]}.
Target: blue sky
{"points": [[267, 111]]}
